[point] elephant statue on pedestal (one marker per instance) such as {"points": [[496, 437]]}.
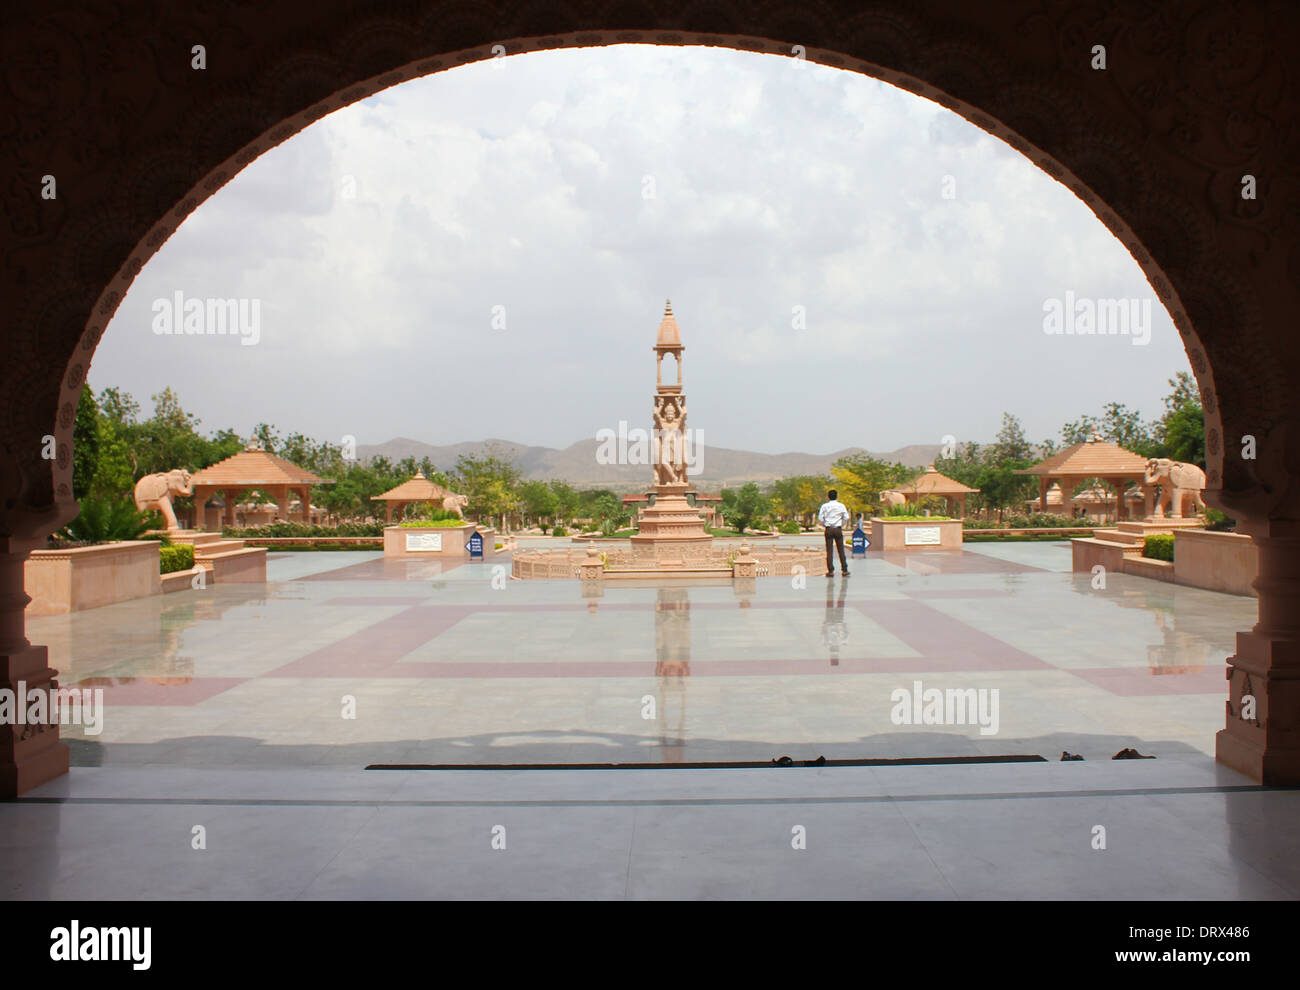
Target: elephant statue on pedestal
{"points": [[455, 503], [155, 491], [892, 498], [1179, 484]]}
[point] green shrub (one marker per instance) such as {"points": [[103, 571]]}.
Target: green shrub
{"points": [[790, 527], [1159, 546], [559, 531], [1036, 520], [1217, 521], [433, 523], [105, 519], [175, 557]]}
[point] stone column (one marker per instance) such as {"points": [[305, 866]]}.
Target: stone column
{"points": [[1266, 667], [29, 754], [232, 497], [281, 495]]}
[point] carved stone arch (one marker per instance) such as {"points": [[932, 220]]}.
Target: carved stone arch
{"points": [[1194, 95]]}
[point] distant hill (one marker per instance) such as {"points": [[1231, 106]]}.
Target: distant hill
{"points": [[577, 464]]}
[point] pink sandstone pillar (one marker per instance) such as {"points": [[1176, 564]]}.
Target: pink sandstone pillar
{"points": [[281, 496], [29, 754], [1266, 667]]}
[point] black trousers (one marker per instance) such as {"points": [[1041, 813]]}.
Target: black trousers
{"points": [[835, 537]]}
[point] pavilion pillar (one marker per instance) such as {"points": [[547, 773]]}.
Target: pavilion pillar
{"points": [[232, 499], [281, 496], [306, 504], [1042, 492], [1119, 498], [1262, 735]]}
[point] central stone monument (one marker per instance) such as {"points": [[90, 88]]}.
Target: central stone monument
{"points": [[672, 542], [670, 530]]}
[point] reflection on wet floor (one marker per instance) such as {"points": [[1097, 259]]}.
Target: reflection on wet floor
{"points": [[446, 666]]}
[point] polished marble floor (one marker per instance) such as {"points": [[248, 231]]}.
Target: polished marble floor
{"points": [[346, 659], [227, 708]]}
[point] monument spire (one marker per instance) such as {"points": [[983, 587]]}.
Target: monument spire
{"points": [[670, 335]]}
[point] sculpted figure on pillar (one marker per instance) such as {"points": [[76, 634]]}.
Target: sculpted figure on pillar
{"points": [[670, 456]]}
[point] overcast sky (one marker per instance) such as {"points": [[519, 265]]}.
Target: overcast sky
{"points": [[577, 189]]}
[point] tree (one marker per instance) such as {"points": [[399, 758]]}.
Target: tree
{"points": [[1180, 434], [224, 443], [85, 443], [538, 500], [740, 509], [799, 496], [566, 499], [119, 407], [1119, 424], [1011, 444], [113, 476], [267, 435], [168, 439], [488, 480], [860, 478], [1184, 436]]}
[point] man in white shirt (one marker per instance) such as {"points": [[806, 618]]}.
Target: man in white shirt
{"points": [[832, 517]]}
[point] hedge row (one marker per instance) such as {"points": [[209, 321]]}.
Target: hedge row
{"points": [[1037, 520], [1159, 546], [303, 529], [176, 557]]}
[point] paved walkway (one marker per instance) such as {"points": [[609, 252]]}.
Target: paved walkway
{"points": [[225, 708], [460, 664]]}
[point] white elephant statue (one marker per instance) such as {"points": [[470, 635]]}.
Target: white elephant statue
{"points": [[1180, 484], [455, 503], [155, 491], [892, 498]]}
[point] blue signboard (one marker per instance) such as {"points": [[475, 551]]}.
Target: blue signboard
{"points": [[475, 545], [859, 542]]}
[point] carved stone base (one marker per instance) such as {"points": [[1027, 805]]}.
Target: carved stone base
{"points": [[1261, 737], [672, 520], [1266, 746], [30, 755]]}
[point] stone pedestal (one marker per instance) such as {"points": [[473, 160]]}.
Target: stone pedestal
{"points": [[436, 541], [672, 530], [914, 534]]}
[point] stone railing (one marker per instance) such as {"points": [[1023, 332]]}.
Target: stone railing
{"points": [[599, 560]]}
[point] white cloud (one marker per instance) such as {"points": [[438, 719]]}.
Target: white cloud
{"points": [[381, 238]]}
